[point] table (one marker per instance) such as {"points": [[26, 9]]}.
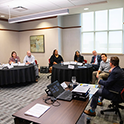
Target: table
{"points": [[63, 73], [18, 74], [66, 113]]}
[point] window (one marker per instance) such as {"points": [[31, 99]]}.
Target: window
{"points": [[102, 31]]}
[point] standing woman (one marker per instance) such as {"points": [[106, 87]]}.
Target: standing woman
{"points": [[14, 58], [55, 59], [78, 57]]}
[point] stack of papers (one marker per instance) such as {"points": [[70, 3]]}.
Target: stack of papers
{"points": [[93, 88], [81, 89], [37, 110]]}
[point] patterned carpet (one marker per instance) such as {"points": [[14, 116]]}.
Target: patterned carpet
{"points": [[13, 98]]}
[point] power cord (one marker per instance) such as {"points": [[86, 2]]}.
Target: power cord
{"points": [[51, 101]]}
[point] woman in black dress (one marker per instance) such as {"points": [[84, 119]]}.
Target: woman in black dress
{"points": [[78, 57], [55, 59]]}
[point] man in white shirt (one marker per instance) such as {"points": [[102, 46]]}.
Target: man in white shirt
{"points": [[30, 59]]}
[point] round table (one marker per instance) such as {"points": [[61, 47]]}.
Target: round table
{"points": [[63, 73], [18, 74]]}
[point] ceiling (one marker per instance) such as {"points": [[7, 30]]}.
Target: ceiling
{"points": [[13, 8], [9, 9]]}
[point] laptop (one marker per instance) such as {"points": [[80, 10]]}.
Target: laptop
{"points": [[58, 92]]}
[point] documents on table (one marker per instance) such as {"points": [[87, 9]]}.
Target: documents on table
{"points": [[71, 66], [66, 63], [37, 110], [79, 63], [93, 88], [81, 89], [73, 63], [64, 85], [21, 64]]}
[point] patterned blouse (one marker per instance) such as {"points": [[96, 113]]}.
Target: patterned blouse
{"points": [[14, 60]]}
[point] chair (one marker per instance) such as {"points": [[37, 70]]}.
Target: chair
{"points": [[85, 60], [49, 70], [114, 106], [36, 62]]}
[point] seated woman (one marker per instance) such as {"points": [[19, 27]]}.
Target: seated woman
{"points": [[55, 59], [78, 57], [14, 58]]}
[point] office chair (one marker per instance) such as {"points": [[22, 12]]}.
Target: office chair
{"points": [[114, 106], [85, 60], [49, 71], [36, 62]]}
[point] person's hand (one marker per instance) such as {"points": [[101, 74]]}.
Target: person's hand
{"points": [[54, 63], [110, 70], [97, 75], [11, 62], [28, 63]]}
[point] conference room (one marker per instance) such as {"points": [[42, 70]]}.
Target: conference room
{"points": [[67, 26]]}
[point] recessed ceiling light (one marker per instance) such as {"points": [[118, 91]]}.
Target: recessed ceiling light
{"points": [[2, 16], [86, 8]]}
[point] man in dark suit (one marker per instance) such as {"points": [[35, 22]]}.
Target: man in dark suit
{"points": [[115, 82], [96, 59]]}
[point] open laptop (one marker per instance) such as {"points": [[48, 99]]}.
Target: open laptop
{"points": [[58, 92]]}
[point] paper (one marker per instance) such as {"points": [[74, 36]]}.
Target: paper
{"points": [[37, 110], [79, 63], [93, 88], [81, 89], [21, 64], [73, 63], [66, 63], [64, 85], [10, 66], [14, 64], [71, 66]]}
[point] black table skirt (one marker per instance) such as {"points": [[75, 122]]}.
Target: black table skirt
{"points": [[18, 74], [63, 73]]}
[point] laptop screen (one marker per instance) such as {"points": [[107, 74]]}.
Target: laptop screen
{"points": [[55, 88]]}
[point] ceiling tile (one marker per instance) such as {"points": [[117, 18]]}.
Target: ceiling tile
{"points": [[79, 2], [62, 3], [46, 4]]}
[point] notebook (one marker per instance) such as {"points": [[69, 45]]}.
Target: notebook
{"points": [[58, 92]]}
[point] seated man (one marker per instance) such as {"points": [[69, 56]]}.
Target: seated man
{"points": [[96, 59], [30, 59], [103, 71], [115, 82]]}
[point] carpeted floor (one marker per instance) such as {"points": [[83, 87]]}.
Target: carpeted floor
{"points": [[13, 98]]}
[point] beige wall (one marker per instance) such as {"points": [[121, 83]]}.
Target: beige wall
{"points": [[51, 42], [70, 43], [9, 41], [51, 37]]}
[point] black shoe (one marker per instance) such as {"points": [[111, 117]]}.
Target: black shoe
{"points": [[37, 76], [36, 80]]}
